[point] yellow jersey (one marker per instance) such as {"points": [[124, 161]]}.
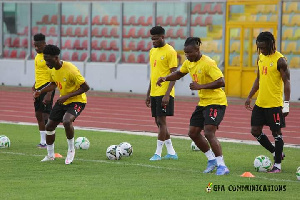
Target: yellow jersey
{"points": [[162, 59], [270, 93], [42, 71], [204, 71], [68, 79]]}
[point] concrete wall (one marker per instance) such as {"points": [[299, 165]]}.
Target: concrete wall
{"points": [[108, 77]]}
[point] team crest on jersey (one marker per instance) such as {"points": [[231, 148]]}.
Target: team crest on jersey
{"points": [[199, 71], [271, 64], [64, 79], [162, 58]]}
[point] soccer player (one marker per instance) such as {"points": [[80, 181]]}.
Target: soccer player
{"points": [[273, 77], [43, 103], [163, 61], [208, 79], [72, 87]]}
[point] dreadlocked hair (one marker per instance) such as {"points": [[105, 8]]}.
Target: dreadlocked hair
{"points": [[195, 41], [39, 37], [51, 50], [157, 30], [269, 39]]}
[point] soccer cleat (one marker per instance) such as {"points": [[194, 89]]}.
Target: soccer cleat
{"points": [[274, 170], [171, 157], [155, 157], [222, 170], [42, 146], [70, 157], [211, 165], [48, 158], [282, 156]]}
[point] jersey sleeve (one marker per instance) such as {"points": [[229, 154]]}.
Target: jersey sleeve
{"points": [[183, 68], [172, 59], [214, 72], [77, 77]]}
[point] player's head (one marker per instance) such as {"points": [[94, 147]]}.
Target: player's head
{"points": [[192, 48], [157, 36], [51, 56], [39, 42], [265, 43]]}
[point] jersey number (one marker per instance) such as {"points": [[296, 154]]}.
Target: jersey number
{"points": [[59, 85], [264, 70], [195, 77]]}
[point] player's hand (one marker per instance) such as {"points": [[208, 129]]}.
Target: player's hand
{"points": [[36, 93], [194, 86], [47, 98], [148, 102], [160, 80], [248, 104], [165, 100]]}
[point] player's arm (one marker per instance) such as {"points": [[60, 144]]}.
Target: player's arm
{"points": [[171, 77], [51, 86], [147, 101], [254, 89], [33, 87], [213, 85], [285, 75], [166, 98], [84, 87]]}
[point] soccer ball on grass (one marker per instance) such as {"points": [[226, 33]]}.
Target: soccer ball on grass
{"points": [[126, 149], [262, 163], [113, 152], [298, 173], [4, 141], [82, 143], [194, 147]]}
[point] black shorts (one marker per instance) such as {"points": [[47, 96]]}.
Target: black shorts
{"points": [[38, 102], [271, 117], [59, 110], [207, 115], [158, 110]]}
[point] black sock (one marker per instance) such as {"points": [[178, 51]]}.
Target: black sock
{"points": [[278, 148], [265, 142]]}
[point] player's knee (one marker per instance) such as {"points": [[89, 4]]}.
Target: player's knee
{"points": [[192, 134], [256, 131], [67, 123]]}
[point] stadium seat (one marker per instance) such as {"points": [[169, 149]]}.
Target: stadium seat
{"points": [[149, 46], [131, 58], [13, 54], [263, 18], [291, 47], [44, 30], [285, 19], [131, 21], [293, 7], [104, 32], [84, 44], [34, 30], [77, 32], [296, 36], [141, 58], [25, 31], [142, 33], [217, 9], [124, 46], [63, 20], [113, 45], [114, 20], [68, 44], [141, 45], [74, 56], [66, 56], [16, 42], [76, 44], [69, 32], [180, 21], [180, 33], [85, 32], [83, 56], [103, 57], [22, 54], [212, 46], [105, 20], [198, 21], [295, 21], [24, 43], [287, 33], [149, 21], [94, 57], [131, 46], [52, 31], [50, 41], [103, 45], [141, 21], [206, 9], [131, 33], [208, 20], [53, 19], [95, 32], [112, 57], [159, 21], [7, 42], [95, 45], [114, 32], [70, 20], [80, 22], [96, 20], [45, 20], [295, 62], [197, 9], [6, 53], [169, 21]]}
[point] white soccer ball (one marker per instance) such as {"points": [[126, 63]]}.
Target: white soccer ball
{"points": [[82, 143], [298, 173], [126, 149], [113, 152], [262, 163], [4, 141], [194, 146]]}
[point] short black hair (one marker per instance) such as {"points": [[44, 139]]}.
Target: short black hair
{"points": [[269, 39], [51, 49], [157, 30], [39, 37], [196, 41]]}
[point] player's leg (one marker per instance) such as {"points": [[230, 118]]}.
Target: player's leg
{"points": [[258, 120], [39, 106]]}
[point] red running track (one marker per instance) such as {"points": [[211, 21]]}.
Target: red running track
{"points": [[129, 112]]}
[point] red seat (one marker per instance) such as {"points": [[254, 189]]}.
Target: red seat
{"points": [[96, 20], [142, 33], [85, 32], [131, 33], [16, 42], [66, 55], [149, 46], [141, 21], [77, 32], [114, 20], [50, 41], [141, 45], [103, 57], [6, 53], [94, 57], [83, 56], [104, 32], [180, 33], [217, 9], [179, 21], [114, 32], [70, 20], [159, 21], [44, 30], [206, 9], [69, 32], [131, 21], [141, 58], [24, 43], [105, 20], [131, 58], [95, 32], [63, 20], [149, 21], [169, 21], [112, 57], [79, 20], [13, 54], [22, 54], [131, 46], [52, 31], [84, 44], [34, 30], [25, 31], [114, 45], [7, 42], [75, 56], [198, 21], [170, 33], [45, 20], [95, 45], [53, 19], [103, 45], [125, 48], [197, 9], [208, 20], [68, 44], [77, 45]]}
